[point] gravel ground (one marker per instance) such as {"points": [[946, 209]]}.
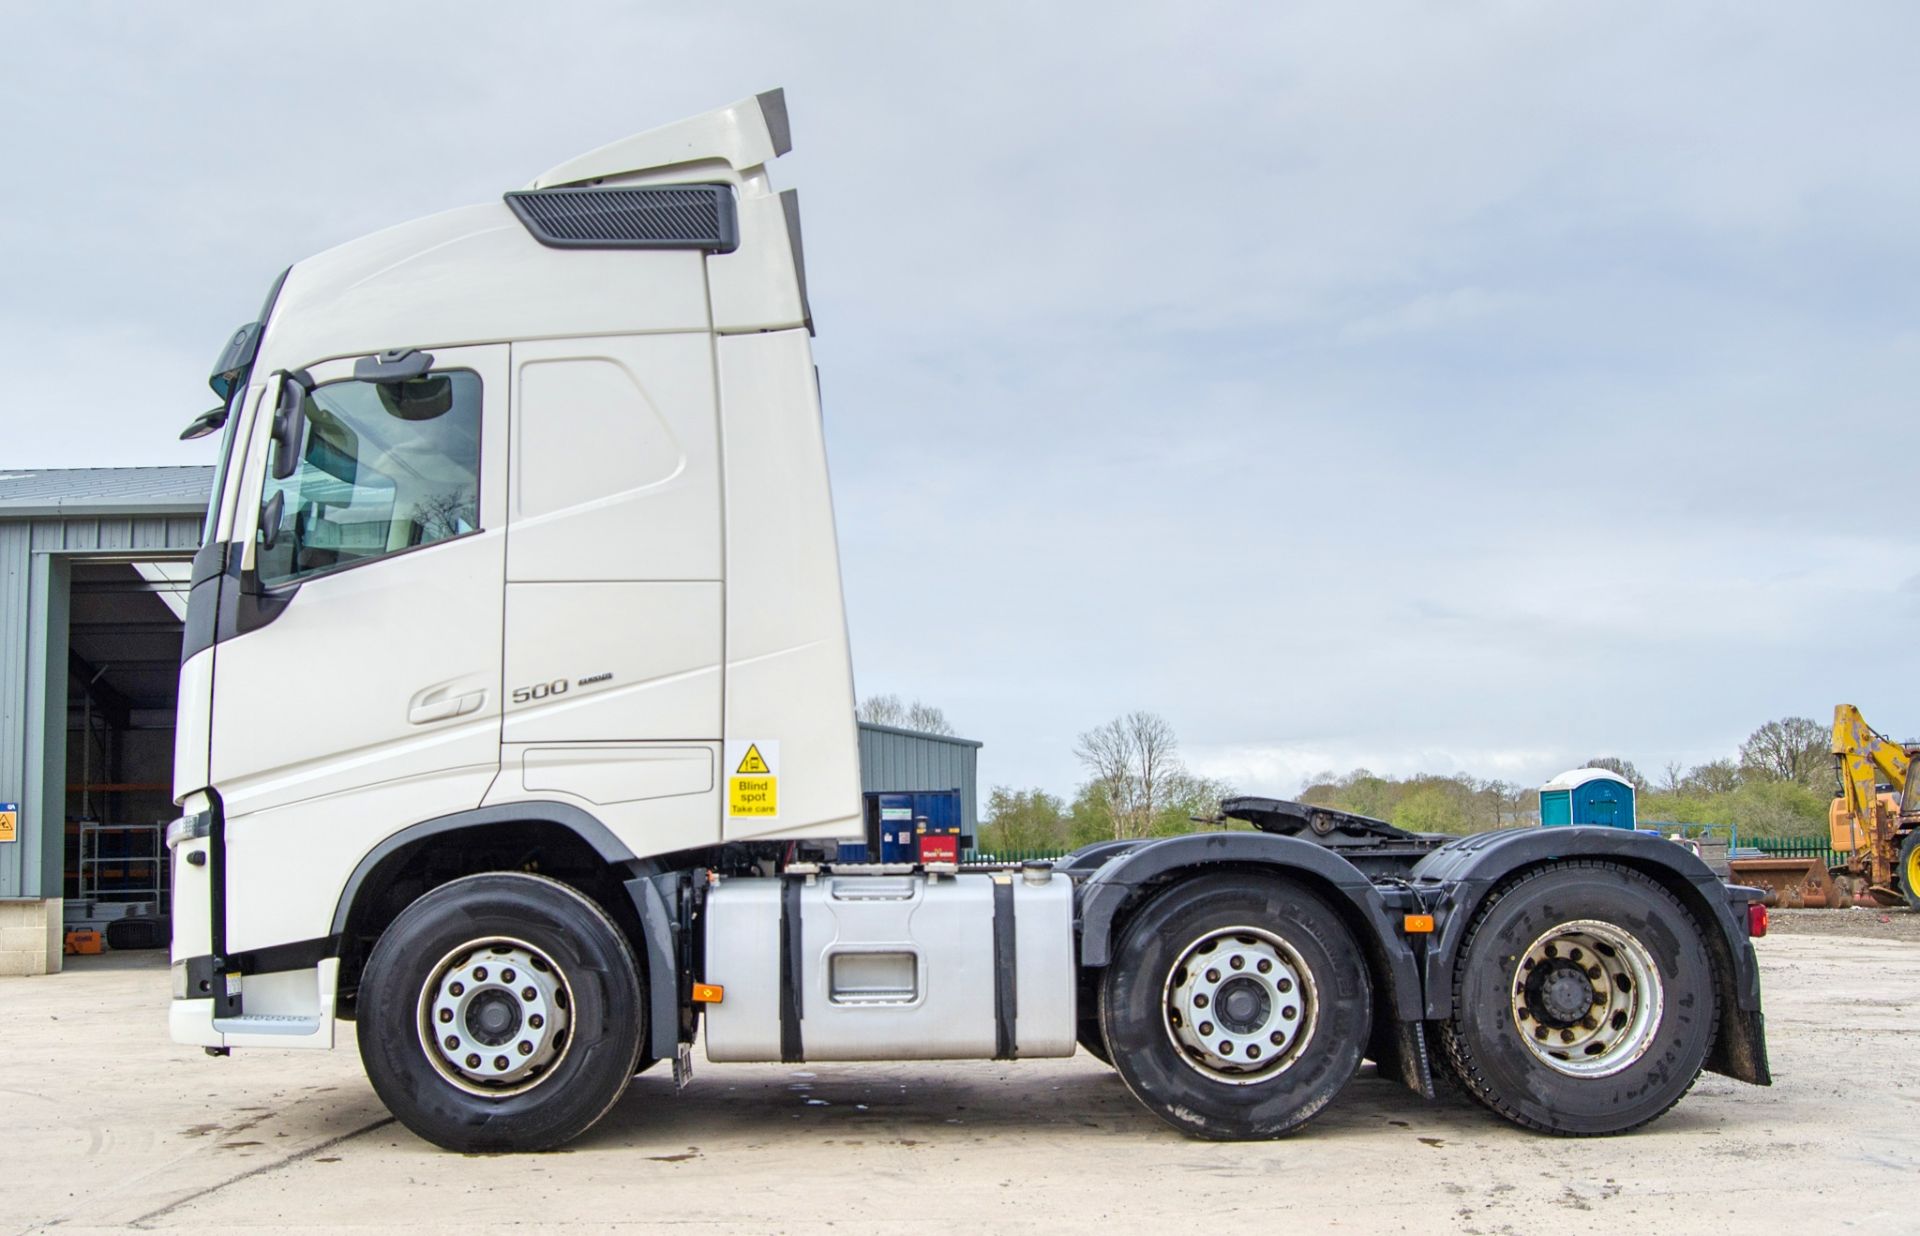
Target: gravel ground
{"points": [[1856, 921], [109, 1126]]}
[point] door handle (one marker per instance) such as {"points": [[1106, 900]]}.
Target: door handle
{"points": [[437, 704]]}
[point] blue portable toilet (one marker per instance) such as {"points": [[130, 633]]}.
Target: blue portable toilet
{"points": [[1587, 796]]}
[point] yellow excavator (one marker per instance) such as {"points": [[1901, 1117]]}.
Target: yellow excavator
{"points": [[1878, 829]]}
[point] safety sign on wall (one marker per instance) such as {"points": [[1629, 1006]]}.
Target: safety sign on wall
{"points": [[9, 821], [753, 778]]}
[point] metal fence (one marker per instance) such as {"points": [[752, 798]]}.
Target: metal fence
{"points": [[1797, 847]]}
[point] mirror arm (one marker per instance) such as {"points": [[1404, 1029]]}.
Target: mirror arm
{"points": [[205, 423]]}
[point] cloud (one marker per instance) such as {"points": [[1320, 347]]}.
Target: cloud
{"points": [[1388, 384]]}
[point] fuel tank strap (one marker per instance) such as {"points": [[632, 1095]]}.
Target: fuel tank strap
{"points": [[792, 1050], [1005, 993]]}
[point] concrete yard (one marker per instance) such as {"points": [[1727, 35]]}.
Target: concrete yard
{"points": [[109, 1125]]}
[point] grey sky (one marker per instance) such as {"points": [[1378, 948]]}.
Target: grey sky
{"points": [[1454, 387]]}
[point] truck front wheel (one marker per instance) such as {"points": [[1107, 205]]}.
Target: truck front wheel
{"points": [[1236, 1007], [501, 1012], [1583, 1001]]}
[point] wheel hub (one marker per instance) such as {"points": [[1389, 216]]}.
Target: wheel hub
{"points": [[1587, 998], [1239, 1005], [1559, 993], [495, 1016]]}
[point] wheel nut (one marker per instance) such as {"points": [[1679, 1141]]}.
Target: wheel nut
{"points": [[1264, 966], [1253, 1051], [1213, 976], [1540, 1033], [457, 989], [1276, 1038], [1226, 1047], [1200, 1000], [1523, 1014], [529, 994], [446, 1015], [1206, 1027], [506, 976], [453, 1042], [1594, 972], [1289, 1013], [473, 1061], [1284, 985], [526, 1048], [479, 974], [536, 1021], [502, 1063], [1566, 1036], [1238, 962]]}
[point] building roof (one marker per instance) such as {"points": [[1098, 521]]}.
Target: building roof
{"points": [[1575, 777], [875, 727], [103, 491]]}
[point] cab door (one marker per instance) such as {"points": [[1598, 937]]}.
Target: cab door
{"points": [[357, 677]]}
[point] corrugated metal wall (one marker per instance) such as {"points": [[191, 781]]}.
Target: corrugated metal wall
{"points": [[896, 759], [33, 671]]}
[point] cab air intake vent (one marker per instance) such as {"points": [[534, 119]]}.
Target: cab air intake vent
{"points": [[664, 217]]}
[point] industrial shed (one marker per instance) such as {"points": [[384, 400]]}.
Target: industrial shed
{"points": [[893, 759], [93, 575]]}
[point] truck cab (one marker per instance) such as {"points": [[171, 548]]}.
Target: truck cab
{"points": [[517, 726]]}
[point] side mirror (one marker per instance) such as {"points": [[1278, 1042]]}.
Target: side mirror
{"points": [[270, 512], [289, 423], [205, 423]]}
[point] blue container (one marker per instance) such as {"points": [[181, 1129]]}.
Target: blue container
{"points": [[1587, 796], [897, 819]]}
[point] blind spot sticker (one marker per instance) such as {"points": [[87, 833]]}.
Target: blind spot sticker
{"points": [[753, 779]]}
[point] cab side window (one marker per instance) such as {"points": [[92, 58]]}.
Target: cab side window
{"points": [[384, 467]]}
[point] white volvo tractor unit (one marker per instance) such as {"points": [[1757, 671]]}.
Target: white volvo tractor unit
{"points": [[517, 727]]}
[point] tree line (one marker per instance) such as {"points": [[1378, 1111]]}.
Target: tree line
{"points": [[1778, 784]]}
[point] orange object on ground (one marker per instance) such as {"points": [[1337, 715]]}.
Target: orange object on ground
{"points": [[83, 940]]}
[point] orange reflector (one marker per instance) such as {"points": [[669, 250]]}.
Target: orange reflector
{"points": [[1418, 924], [708, 993]]}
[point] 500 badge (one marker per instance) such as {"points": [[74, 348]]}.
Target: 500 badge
{"points": [[547, 690]]}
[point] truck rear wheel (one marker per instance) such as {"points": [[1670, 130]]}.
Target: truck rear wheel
{"points": [[1236, 1007], [501, 1012], [1584, 1002]]}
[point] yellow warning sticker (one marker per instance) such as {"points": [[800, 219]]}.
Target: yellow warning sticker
{"points": [[9, 822], [753, 778]]}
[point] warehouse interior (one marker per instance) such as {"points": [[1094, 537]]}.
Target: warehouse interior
{"points": [[125, 622]]}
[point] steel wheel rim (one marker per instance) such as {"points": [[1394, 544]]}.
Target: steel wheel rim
{"points": [[1241, 1023], [495, 1017], [1609, 971]]}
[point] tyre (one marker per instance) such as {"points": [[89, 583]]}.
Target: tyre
{"points": [[1236, 1007], [1584, 1003], [1088, 1034], [501, 1012], [1909, 869]]}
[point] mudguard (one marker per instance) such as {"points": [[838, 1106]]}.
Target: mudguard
{"points": [[1151, 863]]}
